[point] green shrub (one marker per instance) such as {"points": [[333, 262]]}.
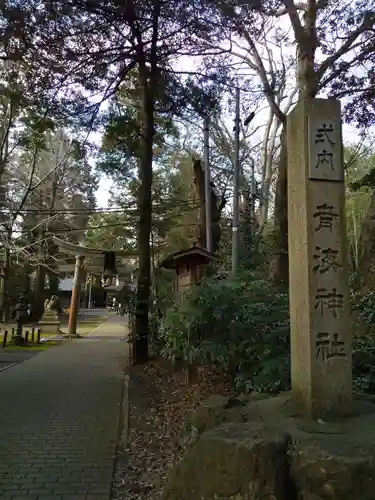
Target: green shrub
{"points": [[364, 344], [241, 325], [365, 306]]}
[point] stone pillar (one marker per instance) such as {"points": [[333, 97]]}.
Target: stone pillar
{"points": [[321, 357], [73, 310]]}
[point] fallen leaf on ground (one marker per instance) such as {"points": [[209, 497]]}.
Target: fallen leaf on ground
{"points": [[160, 402]]}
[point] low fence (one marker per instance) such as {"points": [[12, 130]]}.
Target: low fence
{"points": [[29, 337]]}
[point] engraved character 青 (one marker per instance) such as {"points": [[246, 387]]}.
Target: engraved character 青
{"points": [[325, 215]]}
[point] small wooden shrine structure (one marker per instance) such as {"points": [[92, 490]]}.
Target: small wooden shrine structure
{"points": [[188, 265]]}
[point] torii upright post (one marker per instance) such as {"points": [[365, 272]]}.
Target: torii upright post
{"points": [[72, 327]]}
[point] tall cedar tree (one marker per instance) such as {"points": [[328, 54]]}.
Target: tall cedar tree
{"points": [[81, 52]]}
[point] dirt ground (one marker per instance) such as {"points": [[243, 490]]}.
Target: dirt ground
{"points": [[160, 402]]}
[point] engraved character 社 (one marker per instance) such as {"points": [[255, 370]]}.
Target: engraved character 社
{"points": [[329, 346]]}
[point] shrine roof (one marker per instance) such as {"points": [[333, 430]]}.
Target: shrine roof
{"points": [[192, 254]]}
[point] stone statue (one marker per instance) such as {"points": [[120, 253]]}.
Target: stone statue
{"points": [[21, 318], [50, 321], [53, 304]]}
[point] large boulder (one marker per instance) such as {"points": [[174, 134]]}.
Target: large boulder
{"points": [[335, 462], [233, 462], [318, 475], [279, 455], [215, 411]]}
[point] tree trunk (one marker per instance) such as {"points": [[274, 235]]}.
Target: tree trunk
{"points": [[53, 280], [216, 208], [37, 305], [3, 284], [199, 184], [267, 164], [366, 250], [307, 86], [279, 270], [140, 346]]}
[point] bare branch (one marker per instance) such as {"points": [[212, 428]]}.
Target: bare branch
{"points": [[367, 23]]}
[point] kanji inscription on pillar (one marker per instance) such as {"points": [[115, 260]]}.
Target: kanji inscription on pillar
{"points": [[329, 346], [325, 146], [325, 260], [321, 344]]}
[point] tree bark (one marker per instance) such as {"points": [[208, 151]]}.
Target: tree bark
{"points": [[140, 345], [279, 270], [3, 284], [306, 41], [266, 177], [366, 250], [53, 279], [38, 295], [216, 208], [268, 154]]}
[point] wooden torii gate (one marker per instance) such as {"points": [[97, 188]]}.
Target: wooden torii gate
{"points": [[93, 260]]}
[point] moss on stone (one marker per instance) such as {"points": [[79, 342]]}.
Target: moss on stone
{"points": [[277, 455]]}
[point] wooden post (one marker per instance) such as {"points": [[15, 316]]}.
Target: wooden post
{"points": [[38, 336], [5, 338], [72, 327]]}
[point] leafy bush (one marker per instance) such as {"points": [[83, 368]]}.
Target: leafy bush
{"points": [[365, 306], [241, 325], [364, 345]]}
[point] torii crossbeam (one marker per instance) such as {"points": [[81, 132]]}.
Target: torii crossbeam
{"points": [[97, 258]]}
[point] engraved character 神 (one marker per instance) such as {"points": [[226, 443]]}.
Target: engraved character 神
{"points": [[332, 301]]}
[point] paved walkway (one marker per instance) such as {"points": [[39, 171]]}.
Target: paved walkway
{"points": [[59, 419]]}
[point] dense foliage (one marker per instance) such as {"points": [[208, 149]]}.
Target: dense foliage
{"points": [[240, 325], [364, 343]]}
